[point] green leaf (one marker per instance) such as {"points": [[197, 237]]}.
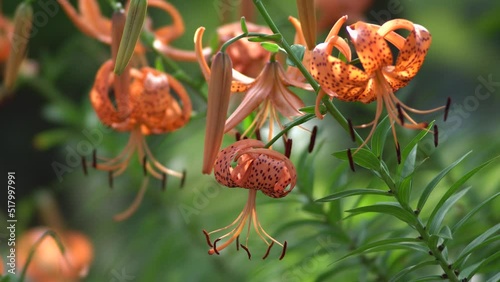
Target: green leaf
{"points": [[388, 243], [298, 50], [379, 136], [409, 147], [353, 192], [243, 24], [472, 212], [428, 278], [407, 166], [133, 26], [440, 211], [363, 157], [469, 271], [50, 138], [262, 38], [458, 184], [445, 233], [404, 190], [393, 209], [271, 47], [495, 278], [430, 187], [477, 243], [409, 269]]}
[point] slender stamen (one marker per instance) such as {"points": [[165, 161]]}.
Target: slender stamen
{"points": [[312, 141], [284, 251], [288, 148], [248, 252], [351, 161], [163, 181], [135, 204], [351, 130], [257, 134], [84, 165], [208, 238], [436, 135], [398, 152], [447, 108], [238, 243], [94, 158], [268, 250], [215, 246], [144, 168], [110, 179], [183, 178], [400, 114]]}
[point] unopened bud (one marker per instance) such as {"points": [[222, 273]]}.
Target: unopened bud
{"points": [[219, 91], [307, 17], [23, 20], [133, 27]]}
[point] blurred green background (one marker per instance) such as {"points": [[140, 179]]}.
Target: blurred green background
{"points": [[163, 240]]}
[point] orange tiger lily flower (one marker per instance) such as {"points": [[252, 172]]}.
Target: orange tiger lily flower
{"points": [[91, 22], [150, 108], [257, 168], [268, 91], [381, 76], [6, 30]]}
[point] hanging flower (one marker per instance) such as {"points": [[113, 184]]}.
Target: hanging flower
{"points": [[257, 168], [91, 22], [148, 108], [380, 76], [267, 93]]}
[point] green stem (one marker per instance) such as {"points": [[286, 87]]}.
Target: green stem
{"points": [[332, 110], [297, 121]]}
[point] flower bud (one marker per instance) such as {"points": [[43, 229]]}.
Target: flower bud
{"points": [[22, 29], [133, 27], [219, 90], [307, 17]]}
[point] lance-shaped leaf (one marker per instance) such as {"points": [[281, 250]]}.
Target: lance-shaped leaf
{"points": [[353, 192], [133, 26]]}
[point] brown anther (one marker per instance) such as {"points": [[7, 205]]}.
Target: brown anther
{"points": [[110, 179], [215, 246], [183, 179], [398, 152], [238, 243], [284, 251], [288, 148], [84, 165], [400, 114], [163, 181], [257, 134], [436, 136], [208, 239], [312, 141], [268, 250], [237, 136], [144, 166], [351, 161], [351, 130], [248, 252], [447, 108], [94, 158]]}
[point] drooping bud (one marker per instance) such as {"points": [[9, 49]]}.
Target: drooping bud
{"points": [[121, 83], [23, 21], [133, 27], [219, 91], [307, 17]]}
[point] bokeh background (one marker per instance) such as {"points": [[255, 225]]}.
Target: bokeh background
{"points": [[47, 119]]}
